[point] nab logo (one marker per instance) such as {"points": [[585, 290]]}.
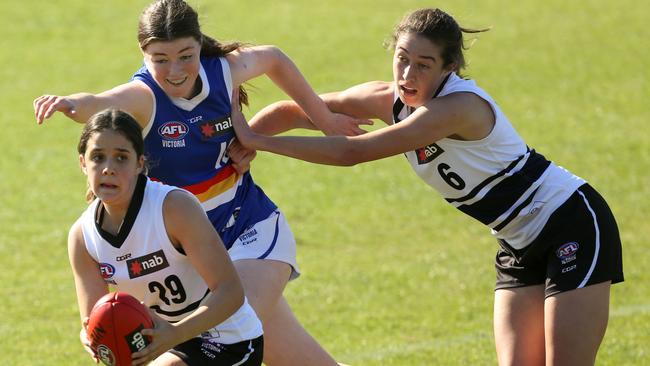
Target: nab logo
{"points": [[427, 154], [107, 270], [567, 250], [146, 264], [135, 340], [173, 130]]}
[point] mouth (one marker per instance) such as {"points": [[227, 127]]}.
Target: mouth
{"points": [[176, 82], [107, 186], [408, 91]]}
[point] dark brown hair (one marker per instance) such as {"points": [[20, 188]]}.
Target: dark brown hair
{"points": [[111, 120], [167, 20], [439, 28]]}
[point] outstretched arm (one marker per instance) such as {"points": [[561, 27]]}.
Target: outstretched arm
{"points": [[134, 98], [250, 62], [371, 100], [439, 118]]}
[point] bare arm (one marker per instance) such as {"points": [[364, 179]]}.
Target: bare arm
{"points": [[251, 62], [89, 284], [188, 226], [456, 114], [133, 97], [371, 100]]}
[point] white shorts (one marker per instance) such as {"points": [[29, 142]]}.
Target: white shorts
{"points": [[271, 239]]}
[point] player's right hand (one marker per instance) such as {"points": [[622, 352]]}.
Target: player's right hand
{"points": [[83, 336], [46, 105]]}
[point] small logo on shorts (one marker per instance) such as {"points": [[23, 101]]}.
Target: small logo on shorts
{"points": [[567, 252], [569, 268]]}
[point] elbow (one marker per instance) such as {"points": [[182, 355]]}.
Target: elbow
{"points": [[348, 156]]}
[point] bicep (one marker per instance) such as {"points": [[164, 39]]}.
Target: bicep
{"points": [[248, 63], [134, 97], [371, 100], [188, 225], [89, 284]]}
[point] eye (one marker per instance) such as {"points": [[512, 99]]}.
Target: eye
{"points": [[423, 66], [97, 158], [159, 61], [186, 57], [122, 158]]}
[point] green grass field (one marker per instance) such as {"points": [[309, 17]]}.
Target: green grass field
{"points": [[391, 274]]}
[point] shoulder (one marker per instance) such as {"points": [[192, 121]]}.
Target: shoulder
{"points": [[76, 239], [470, 113], [179, 204]]}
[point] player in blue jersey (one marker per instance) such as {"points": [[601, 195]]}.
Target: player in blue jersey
{"points": [[181, 98], [560, 248]]}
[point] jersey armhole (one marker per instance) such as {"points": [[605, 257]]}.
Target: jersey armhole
{"points": [[227, 77], [147, 127]]}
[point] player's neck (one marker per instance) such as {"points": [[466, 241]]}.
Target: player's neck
{"points": [[113, 218]]}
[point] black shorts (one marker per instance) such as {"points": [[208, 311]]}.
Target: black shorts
{"points": [[579, 246], [201, 352]]}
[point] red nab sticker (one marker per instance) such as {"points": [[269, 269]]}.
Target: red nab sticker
{"points": [[173, 130], [567, 250]]}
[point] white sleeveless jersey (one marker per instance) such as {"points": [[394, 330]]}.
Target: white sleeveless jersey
{"points": [[497, 180], [142, 262]]}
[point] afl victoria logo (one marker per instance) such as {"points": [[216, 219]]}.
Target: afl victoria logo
{"points": [[173, 130]]}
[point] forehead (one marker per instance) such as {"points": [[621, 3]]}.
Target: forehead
{"points": [[172, 47], [417, 45], [109, 140]]}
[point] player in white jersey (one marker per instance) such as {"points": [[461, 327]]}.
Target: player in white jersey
{"points": [[184, 106], [559, 244], [155, 242]]}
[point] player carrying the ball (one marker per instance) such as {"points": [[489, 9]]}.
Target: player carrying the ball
{"points": [[155, 242]]}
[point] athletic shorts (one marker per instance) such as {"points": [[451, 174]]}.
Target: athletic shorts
{"points": [[202, 352], [579, 246], [268, 239]]}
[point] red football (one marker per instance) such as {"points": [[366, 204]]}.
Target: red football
{"points": [[114, 327]]}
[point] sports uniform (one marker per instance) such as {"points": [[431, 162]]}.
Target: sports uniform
{"points": [[523, 198], [142, 261], [185, 145]]}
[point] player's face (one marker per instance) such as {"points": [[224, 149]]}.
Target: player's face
{"points": [[417, 69], [175, 65], [112, 167]]}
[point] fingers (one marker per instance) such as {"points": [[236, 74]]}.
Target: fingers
{"points": [[46, 105], [240, 157]]}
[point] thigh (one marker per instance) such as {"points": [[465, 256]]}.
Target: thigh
{"points": [[519, 325], [575, 323], [263, 282], [288, 343], [168, 359]]}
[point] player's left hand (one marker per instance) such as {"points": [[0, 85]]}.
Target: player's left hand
{"points": [[344, 125], [162, 340], [240, 156]]}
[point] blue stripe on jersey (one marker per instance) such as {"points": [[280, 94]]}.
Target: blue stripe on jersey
{"points": [[506, 193]]}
